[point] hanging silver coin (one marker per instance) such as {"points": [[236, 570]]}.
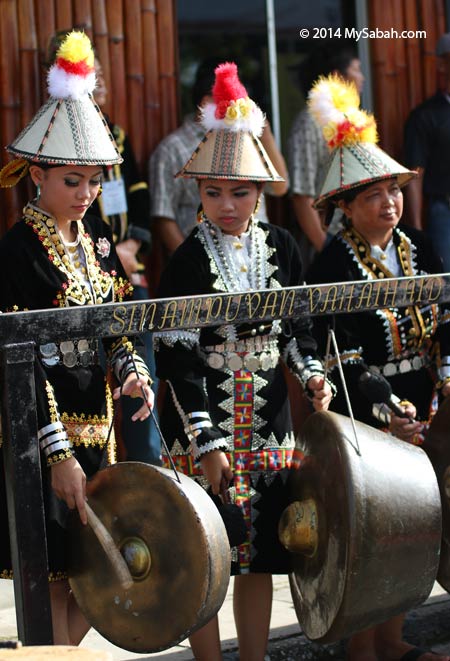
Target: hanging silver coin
{"points": [[417, 362], [389, 369], [252, 362], [405, 366], [86, 358], [48, 350], [234, 362], [70, 359], [83, 345], [51, 362], [67, 346], [215, 360]]}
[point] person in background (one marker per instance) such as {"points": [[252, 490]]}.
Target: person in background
{"points": [[227, 413], [427, 150], [125, 206], [409, 346], [57, 256], [308, 156], [174, 202]]}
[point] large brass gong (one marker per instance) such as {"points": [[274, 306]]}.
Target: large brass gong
{"points": [[176, 549], [364, 529]]}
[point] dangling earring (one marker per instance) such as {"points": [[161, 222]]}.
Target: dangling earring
{"points": [[200, 214], [100, 191], [38, 192], [258, 204]]}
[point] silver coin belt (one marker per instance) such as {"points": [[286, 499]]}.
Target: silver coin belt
{"points": [[81, 353], [252, 354], [401, 367]]}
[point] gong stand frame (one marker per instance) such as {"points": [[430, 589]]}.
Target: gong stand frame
{"points": [[18, 396]]}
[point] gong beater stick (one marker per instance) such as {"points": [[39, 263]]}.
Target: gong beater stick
{"points": [[130, 357], [111, 550]]}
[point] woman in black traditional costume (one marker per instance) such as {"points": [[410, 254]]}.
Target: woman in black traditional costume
{"points": [[227, 411], [124, 205], [56, 257], [410, 346]]}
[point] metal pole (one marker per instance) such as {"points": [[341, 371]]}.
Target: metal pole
{"points": [[362, 21], [24, 495], [273, 71]]}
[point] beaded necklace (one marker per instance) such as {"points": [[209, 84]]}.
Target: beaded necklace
{"points": [[77, 257], [412, 325], [81, 288], [221, 258], [361, 249]]}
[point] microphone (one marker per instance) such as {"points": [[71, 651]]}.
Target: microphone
{"points": [[378, 390]]}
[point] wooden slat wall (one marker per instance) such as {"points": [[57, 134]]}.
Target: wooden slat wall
{"points": [[136, 43], [404, 71]]}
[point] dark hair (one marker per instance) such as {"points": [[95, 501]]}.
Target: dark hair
{"points": [[340, 60], [204, 79], [347, 196], [259, 184], [322, 61], [350, 194], [47, 166]]}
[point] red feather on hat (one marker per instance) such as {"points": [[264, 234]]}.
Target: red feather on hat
{"points": [[227, 86], [232, 109]]}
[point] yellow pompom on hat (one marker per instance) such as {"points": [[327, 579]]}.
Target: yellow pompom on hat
{"points": [[69, 129], [351, 135], [231, 148]]}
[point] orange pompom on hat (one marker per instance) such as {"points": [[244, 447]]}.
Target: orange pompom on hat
{"points": [[233, 123]]}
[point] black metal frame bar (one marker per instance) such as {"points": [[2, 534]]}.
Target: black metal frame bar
{"points": [[133, 317], [24, 495]]}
